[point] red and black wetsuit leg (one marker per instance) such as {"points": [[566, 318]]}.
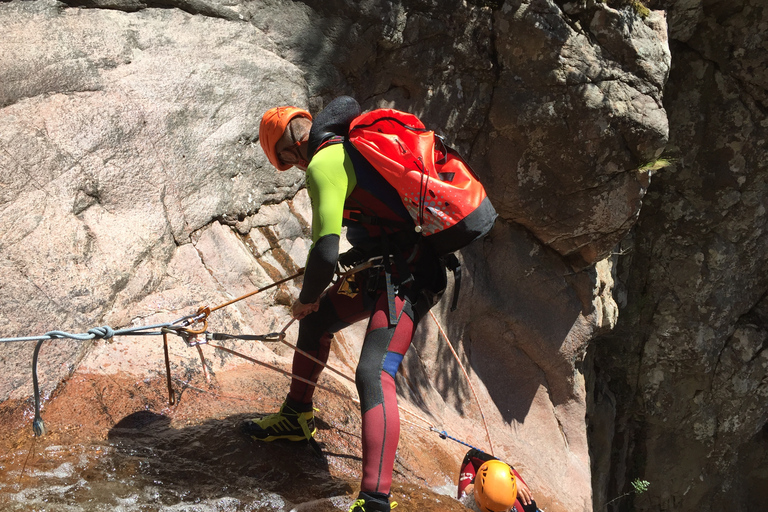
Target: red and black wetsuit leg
{"points": [[383, 351], [316, 330]]}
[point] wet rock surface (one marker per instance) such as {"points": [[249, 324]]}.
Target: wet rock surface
{"points": [[114, 443]]}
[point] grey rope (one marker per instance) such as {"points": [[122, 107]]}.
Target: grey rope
{"points": [[106, 332], [37, 426], [103, 332]]}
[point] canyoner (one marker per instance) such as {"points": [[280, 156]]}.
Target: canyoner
{"points": [[487, 484], [446, 202], [408, 202]]}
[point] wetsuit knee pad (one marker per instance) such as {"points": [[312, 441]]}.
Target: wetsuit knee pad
{"points": [[368, 373], [377, 357]]}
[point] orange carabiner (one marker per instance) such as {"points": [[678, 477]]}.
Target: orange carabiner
{"points": [[201, 316]]}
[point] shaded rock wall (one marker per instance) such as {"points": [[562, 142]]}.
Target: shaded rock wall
{"points": [[684, 372], [576, 114]]}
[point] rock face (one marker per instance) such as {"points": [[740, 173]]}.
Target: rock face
{"points": [[118, 150], [575, 76], [684, 373], [133, 190]]}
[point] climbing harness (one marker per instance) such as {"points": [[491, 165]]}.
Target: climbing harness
{"points": [[192, 329]]}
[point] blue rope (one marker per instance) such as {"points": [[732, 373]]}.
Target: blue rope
{"points": [[444, 435]]}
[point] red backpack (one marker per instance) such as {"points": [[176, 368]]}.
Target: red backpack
{"points": [[443, 195]]}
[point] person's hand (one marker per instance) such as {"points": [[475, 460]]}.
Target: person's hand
{"points": [[299, 310], [523, 493]]}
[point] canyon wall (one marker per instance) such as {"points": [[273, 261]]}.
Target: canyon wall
{"points": [[134, 189]]}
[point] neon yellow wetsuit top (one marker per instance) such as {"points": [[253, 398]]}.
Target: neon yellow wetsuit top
{"points": [[330, 181]]}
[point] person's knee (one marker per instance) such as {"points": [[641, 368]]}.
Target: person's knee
{"points": [[314, 329], [309, 335], [369, 370], [368, 375]]}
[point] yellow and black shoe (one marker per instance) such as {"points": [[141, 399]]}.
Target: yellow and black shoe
{"points": [[288, 424], [366, 502]]}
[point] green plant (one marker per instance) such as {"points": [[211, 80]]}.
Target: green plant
{"points": [[636, 5], [640, 9], [638, 487], [656, 165]]}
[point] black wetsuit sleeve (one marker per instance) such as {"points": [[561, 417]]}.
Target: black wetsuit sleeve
{"points": [[321, 265]]}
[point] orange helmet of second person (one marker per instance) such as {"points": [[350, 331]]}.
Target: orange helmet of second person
{"points": [[495, 487]]}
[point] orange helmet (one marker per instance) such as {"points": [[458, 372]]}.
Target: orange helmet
{"points": [[273, 124], [495, 487]]}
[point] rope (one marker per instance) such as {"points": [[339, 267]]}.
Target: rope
{"points": [[444, 435], [104, 332], [280, 370], [204, 312], [171, 396], [38, 426], [431, 427], [309, 356], [466, 376], [276, 283]]}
